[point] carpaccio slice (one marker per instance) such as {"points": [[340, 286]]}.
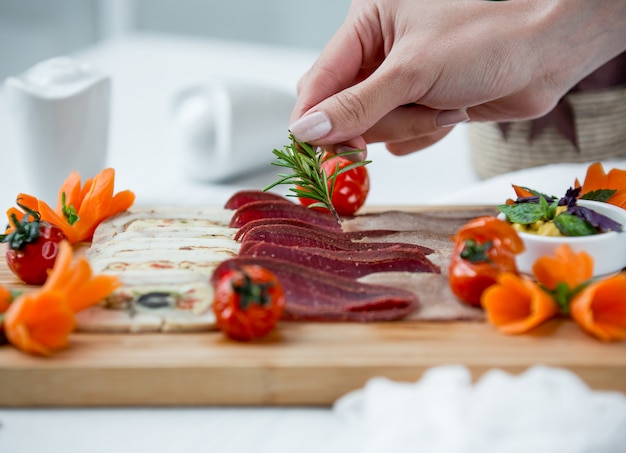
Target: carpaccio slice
{"points": [[314, 295], [293, 235], [277, 209], [244, 197], [352, 235], [342, 262]]}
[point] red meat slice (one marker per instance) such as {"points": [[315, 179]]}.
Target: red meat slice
{"points": [[277, 209], [349, 264], [314, 295], [244, 197], [298, 236], [352, 235]]}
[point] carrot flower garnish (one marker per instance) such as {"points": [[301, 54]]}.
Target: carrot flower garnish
{"points": [[80, 209], [516, 304], [564, 286], [600, 308], [597, 180], [40, 322], [564, 274], [5, 299]]}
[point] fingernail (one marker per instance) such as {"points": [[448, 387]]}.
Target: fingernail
{"points": [[311, 127], [448, 118]]}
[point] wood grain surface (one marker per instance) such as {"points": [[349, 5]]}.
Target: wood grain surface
{"points": [[298, 364]]}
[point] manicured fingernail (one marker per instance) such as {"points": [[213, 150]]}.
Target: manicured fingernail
{"points": [[311, 127], [353, 156], [448, 118]]}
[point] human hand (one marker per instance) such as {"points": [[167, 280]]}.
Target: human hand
{"points": [[403, 71]]}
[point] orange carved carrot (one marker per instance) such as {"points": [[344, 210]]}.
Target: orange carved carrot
{"points": [[91, 204], [522, 192], [516, 304], [597, 179], [5, 299], [600, 308], [566, 267], [40, 322], [82, 288]]}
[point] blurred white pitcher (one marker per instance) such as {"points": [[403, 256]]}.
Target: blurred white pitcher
{"points": [[59, 112], [228, 128]]}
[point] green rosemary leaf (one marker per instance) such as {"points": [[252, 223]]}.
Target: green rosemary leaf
{"points": [[352, 166]]}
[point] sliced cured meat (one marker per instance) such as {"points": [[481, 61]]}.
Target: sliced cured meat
{"points": [[248, 196], [444, 222], [352, 235], [345, 263], [313, 295], [292, 235], [275, 209], [440, 243], [437, 303]]}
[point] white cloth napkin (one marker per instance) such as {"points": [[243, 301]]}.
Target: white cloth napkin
{"points": [[543, 410]]}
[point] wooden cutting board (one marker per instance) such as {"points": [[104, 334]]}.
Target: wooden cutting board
{"points": [[298, 364]]}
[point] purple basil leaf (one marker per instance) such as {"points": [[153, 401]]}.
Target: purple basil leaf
{"points": [[599, 221], [570, 197]]}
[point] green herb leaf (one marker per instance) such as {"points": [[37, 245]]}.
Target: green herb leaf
{"points": [[25, 231], [572, 225], [525, 213], [549, 209], [599, 195], [69, 212], [563, 295]]}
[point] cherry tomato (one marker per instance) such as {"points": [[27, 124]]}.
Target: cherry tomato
{"points": [[351, 188], [32, 249], [484, 248], [248, 302]]}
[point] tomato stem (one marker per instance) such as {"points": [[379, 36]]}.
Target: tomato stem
{"points": [[251, 292]]}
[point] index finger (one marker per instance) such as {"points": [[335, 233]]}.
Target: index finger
{"points": [[335, 69]]}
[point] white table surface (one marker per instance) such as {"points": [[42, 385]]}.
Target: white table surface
{"points": [[147, 71]]}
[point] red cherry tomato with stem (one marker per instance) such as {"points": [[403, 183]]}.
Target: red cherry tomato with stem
{"points": [[484, 248], [351, 188], [248, 302], [33, 246]]}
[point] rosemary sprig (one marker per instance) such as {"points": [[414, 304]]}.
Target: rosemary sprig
{"points": [[308, 176]]}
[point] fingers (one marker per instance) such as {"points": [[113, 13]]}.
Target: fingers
{"points": [[355, 109], [410, 146], [411, 128], [406, 129], [409, 122], [335, 69]]}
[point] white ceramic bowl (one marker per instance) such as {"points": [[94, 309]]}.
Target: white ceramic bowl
{"points": [[607, 249]]}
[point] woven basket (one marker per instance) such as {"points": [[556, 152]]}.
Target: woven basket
{"points": [[600, 127]]}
